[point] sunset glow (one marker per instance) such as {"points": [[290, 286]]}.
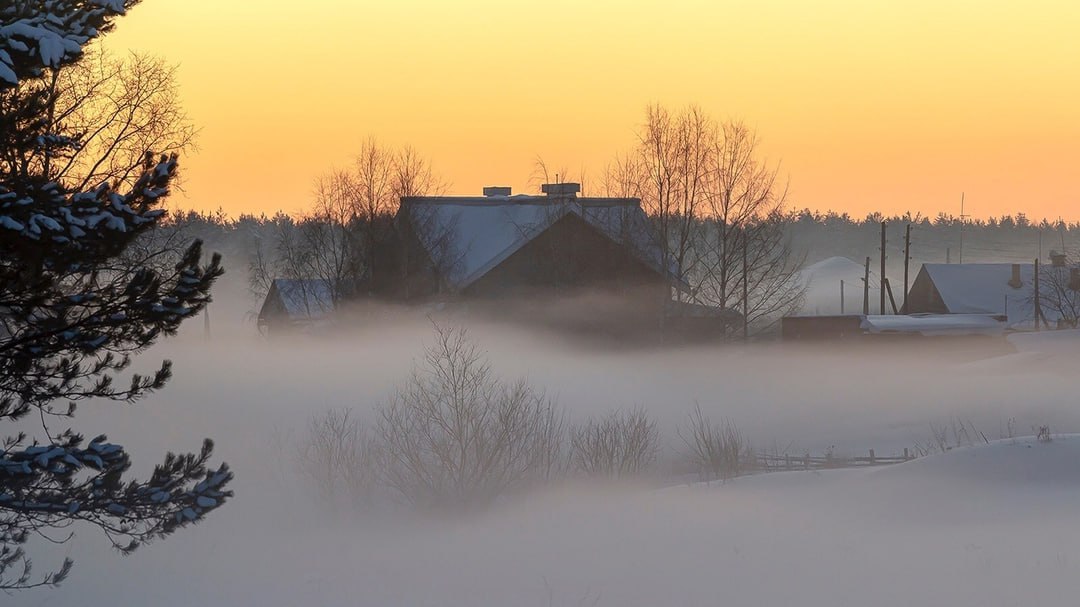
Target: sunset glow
{"points": [[868, 105]]}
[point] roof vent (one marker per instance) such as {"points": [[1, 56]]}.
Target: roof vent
{"points": [[561, 190], [496, 190]]}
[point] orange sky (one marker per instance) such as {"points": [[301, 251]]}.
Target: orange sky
{"points": [[869, 105]]}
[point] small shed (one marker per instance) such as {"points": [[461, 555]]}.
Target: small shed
{"points": [[295, 304], [822, 328]]}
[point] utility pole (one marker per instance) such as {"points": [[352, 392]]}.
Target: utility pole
{"points": [[866, 289], [1038, 311], [907, 262], [881, 278], [206, 321], [745, 295], [892, 300], [948, 255]]}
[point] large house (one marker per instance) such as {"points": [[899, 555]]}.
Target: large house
{"points": [[538, 254], [591, 262]]}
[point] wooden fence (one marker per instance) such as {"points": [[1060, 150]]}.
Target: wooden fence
{"points": [[766, 462]]}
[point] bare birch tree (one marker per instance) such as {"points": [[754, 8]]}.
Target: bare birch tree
{"points": [[343, 239], [743, 258], [1059, 294], [718, 209], [674, 160], [124, 107]]}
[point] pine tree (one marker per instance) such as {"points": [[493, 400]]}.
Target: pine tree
{"points": [[72, 313]]}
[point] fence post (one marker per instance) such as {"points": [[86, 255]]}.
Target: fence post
{"points": [[872, 458], [906, 454]]}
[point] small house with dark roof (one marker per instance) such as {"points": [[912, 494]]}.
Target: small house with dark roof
{"points": [[295, 304]]}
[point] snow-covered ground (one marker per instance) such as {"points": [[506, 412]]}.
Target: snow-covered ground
{"points": [[993, 524]]}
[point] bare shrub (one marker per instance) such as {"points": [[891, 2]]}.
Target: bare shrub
{"points": [[716, 450], [1042, 434], [456, 436], [963, 434], [622, 444], [339, 456]]}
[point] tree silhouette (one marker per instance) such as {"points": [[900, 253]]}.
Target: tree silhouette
{"points": [[72, 315]]}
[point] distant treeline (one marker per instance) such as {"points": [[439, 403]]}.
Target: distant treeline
{"points": [[945, 238], [1010, 238]]}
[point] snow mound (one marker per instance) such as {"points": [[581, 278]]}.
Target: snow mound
{"points": [[834, 265], [1044, 351], [1014, 461], [822, 282], [1047, 342]]}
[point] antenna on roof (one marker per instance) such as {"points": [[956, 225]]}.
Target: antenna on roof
{"points": [[962, 216]]}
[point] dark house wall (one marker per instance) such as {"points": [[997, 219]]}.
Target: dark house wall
{"points": [[924, 297], [569, 256], [570, 276], [272, 315], [821, 328], [574, 277]]}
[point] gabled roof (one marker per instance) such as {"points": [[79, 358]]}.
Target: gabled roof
{"points": [[301, 299], [983, 288], [468, 237]]}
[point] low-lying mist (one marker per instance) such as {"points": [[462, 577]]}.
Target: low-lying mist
{"points": [[811, 538]]}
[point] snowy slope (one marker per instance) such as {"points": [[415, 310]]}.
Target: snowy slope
{"points": [[993, 525], [990, 525]]}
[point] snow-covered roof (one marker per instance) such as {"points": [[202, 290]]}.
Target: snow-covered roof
{"points": [[822, 283], [935, 324], [304, 299], [468, 236], [983, 288]]}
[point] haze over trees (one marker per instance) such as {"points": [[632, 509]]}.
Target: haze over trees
{"points": [[77, 189]]}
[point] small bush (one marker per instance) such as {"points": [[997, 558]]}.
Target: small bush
{"points": [[455, 436], [716, 450], [957, 433], [619, 445], [1042, 434], [339, 455]]}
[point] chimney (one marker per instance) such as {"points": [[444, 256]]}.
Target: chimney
{"points": [[496, 190], [1057, 260], [561, 190], [1015, 282]]}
